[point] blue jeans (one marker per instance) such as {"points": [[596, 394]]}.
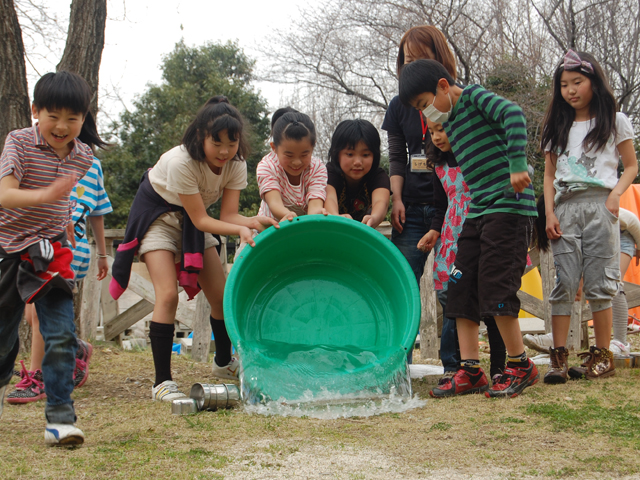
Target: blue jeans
{"points": [[417, 223], [55, 312], [449, 349]]}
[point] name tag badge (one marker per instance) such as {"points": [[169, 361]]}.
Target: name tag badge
{"points": [[419, 164]]}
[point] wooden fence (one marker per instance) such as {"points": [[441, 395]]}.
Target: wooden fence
{"points": [[96, 300]]}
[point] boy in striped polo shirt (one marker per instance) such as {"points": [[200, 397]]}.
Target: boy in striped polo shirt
{"points": [[38, 168], [488, 138]]}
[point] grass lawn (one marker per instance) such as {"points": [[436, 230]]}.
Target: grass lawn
{"points": [[580, 430]]}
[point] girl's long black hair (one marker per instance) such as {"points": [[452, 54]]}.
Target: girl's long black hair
{"points": [[67, 90], [560, 115], [347, 135]]}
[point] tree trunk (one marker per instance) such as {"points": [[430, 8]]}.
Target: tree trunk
{"points": [[14, 97], [85, 42]]}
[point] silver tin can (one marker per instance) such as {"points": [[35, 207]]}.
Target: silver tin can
{"points": [[213, 397], [184, 406]]}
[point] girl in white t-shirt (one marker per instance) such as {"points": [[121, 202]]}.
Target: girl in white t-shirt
{"points": [[208, 166], [292, 182], [584, 138]]}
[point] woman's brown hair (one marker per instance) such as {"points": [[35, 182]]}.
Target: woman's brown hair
{"points": [[422, 37]]}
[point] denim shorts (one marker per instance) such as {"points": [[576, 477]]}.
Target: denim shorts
{"points": [[627, 244]]}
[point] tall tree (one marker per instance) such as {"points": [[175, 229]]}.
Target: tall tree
{"points": [[14, 97], [82, 54], [190, 76]]}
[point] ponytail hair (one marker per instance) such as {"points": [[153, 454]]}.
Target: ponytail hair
{"points": [[215, 116], [348, 134], [278, 113], [69, 91], [559, 116], [294, 126]]}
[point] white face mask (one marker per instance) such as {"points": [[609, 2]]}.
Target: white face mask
{"points": [[435, 115]]}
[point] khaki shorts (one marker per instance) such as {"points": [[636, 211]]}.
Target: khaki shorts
{"points": [[166, 234]]}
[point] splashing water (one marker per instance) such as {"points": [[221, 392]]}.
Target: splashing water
{"points": [[322, 381]]}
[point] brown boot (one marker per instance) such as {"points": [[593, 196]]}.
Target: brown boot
{"points": [[598, 363], [557, 372]]}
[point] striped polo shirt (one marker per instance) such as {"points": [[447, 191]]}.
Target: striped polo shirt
{"points": [[91, 201], [488, 136], [271, 176], [29, 158]]}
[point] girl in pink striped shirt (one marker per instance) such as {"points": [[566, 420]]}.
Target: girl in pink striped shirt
{"points": [[291, 181]]}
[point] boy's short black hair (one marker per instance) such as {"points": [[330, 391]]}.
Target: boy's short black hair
{"points": [[348, 133], [294, 126], [421, 76], [62, 90]]}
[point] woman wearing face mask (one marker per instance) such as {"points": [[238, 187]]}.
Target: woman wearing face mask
{"points": [[415, 209]]}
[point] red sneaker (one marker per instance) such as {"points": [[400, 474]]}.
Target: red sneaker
{"points": [[513, 381], [461, 383]]}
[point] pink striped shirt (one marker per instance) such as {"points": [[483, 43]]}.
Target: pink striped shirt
{"points": [[29, 158], [271, 176]]}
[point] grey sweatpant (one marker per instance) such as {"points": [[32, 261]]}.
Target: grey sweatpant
{"points": [[590, 248]]}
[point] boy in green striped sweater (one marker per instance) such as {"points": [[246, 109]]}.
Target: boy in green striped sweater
{"points": [[488, 137]]}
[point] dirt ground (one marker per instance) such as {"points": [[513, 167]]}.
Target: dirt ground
{"points": [[581, 430]]}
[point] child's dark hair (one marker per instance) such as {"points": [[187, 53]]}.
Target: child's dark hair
{"points": [[215, 116], [540, 238], [347, 135], [421, 76], [560, 115], [294, 126], [278, 113], [435, 156], [69, 91]]}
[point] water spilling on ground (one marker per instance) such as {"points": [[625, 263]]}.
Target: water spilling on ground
{"points": [[322, 381]]}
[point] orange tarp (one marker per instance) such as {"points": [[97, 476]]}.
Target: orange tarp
{"points": [[631, 201]]}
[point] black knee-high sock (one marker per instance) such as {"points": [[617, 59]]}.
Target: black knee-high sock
{"points": [[223, 342], [496, 345], [161, 337]]}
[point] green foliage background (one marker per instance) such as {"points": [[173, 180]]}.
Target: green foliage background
{"points": [[190, 76]]}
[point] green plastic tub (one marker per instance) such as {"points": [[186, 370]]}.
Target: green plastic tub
{"points": [[322, 305]]}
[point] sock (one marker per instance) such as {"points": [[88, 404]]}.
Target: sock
{"points": [[223, 342], [161, 337], [471, 366], [518, 361], [620, 313]]}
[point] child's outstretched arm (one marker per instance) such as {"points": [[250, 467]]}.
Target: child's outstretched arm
{"points": [[276, 205], [316, 207], [630, 163], [553, 225], [229, 213], [194, 206], [12, 196], [379, 206], [331, 203]]}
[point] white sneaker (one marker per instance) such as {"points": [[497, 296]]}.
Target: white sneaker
{"points": [[2, 390], [167, 391], [541, 343], [619, 348], [229, 371], [63, 434]]}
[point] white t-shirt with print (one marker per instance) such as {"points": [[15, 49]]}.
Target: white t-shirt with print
{"points": [[271, 176], [177, 173], [579, 169]]}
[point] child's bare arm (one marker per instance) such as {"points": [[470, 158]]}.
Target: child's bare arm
{"points": [[331, 203], [229, 213], [553, 225], [379, 207], [97, 227], [274, 200], [12, 196], [316, 207], [630, 163], [194, 206]]}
